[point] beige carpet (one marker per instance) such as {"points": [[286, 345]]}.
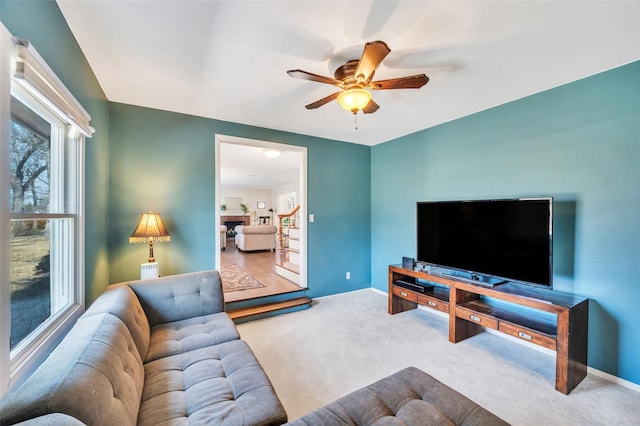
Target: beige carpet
{"points": [[234, 278], [347, 341]]}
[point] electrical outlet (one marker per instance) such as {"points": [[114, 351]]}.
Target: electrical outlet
{"points": [[348, 275], [311, 217]]}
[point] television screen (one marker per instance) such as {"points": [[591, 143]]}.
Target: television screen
{"points": [[508, 239]]}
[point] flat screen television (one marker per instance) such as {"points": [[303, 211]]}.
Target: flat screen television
{"points": [[506, 240]]}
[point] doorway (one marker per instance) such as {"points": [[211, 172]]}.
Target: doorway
{"points": [[244, 170]]}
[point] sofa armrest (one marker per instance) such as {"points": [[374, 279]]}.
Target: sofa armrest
{"points": [[178, 297]]}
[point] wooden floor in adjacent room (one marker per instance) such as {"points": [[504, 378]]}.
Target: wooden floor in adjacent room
{"points": [[261, 265]]}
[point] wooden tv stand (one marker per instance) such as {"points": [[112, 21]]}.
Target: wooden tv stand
{"points": [[554, 320]]}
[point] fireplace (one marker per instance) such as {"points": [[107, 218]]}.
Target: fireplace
{"points": [[231, 222]]}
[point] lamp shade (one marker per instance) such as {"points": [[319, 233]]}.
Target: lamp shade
{"points": [[150, 228], [354, 99]]}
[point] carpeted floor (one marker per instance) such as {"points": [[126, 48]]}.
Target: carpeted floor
{"points": [[234, 278], [347, 341]]}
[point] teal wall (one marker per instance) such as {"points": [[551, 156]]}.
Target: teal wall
{"points": [[164, 162], [43, 25], [579, 143]]}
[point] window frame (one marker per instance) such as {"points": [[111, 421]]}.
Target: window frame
{"points": [[30, 75], [61, 192]]}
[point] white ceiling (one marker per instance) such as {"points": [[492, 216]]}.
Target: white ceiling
{"points": [[228, 59], [244, 166]]}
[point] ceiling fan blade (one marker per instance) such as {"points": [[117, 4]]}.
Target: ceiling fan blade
{"points": [[410, 82], [374, 52], [304, 75], [371, 107], [318, 104]]}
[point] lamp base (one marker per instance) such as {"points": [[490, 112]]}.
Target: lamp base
{"points": [[149, 270]]}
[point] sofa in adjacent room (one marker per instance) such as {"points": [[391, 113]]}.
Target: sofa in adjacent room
{"points": [[160, 351], [223, 237], [256, 237]]}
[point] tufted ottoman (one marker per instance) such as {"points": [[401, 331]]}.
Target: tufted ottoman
{"points": [[408, 397]]}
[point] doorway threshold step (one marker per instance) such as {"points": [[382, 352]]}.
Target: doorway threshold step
{"points": [[289, 271], [251, 311], [289, 266]]}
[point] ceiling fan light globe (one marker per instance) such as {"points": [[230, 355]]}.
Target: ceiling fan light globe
{"points": [[354, 99]]}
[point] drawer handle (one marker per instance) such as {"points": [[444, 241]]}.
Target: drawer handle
{"points": [[402, 293], [474, 318], [432, 303], [524, 335]]}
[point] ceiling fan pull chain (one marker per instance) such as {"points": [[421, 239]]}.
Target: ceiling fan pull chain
{"points": [[355, 119]]}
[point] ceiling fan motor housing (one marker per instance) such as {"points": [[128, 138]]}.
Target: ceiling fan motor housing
{"points": [[347, 74]]}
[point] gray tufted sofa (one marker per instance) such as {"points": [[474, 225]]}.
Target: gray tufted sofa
{"points": [[160, 351], [408, 397]]}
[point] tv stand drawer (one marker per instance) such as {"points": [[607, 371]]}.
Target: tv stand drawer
{"points": [[477, 317], [527, 335], [405, 294], [433, 303]]}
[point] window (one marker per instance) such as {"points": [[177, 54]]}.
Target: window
{"points": [[41, 224], [42, 175]]}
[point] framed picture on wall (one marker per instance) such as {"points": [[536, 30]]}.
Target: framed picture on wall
{"points": [[262, 204]]}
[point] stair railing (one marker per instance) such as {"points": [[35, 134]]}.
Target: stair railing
{"points": [[280, 217]]}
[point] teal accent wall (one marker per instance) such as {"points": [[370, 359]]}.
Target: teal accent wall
{"points": [[42, 23], [164, 161], [579, 143]]}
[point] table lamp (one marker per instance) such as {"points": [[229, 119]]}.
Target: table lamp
{"points": [[150, 229]]}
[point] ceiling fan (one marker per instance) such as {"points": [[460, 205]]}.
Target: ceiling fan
{"points": [[355, 79]]}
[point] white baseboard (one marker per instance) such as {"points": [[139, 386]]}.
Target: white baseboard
{"points": [[614, 379], [384, 293], [590, 370]]}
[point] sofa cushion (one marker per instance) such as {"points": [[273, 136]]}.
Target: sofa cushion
{"points": [[221, 385], [193, 333], [95, 375], [408, 397], [122, 302], [179, 297]]}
